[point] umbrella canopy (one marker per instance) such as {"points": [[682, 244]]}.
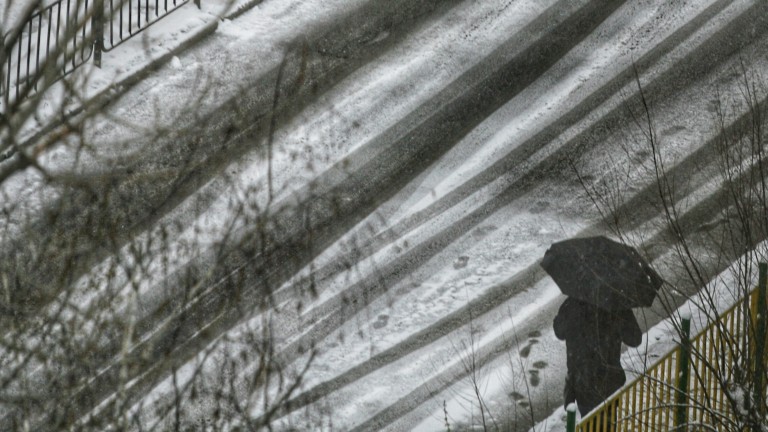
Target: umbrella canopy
{"points": [[602, 272]]}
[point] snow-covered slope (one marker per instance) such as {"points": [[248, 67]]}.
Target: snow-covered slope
{"points": [[435, 162]]}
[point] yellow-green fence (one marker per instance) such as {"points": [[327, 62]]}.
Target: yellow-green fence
{"points": [[713, 381]]}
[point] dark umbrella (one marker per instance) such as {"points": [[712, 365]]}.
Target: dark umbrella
{"points": [[602, 272]]}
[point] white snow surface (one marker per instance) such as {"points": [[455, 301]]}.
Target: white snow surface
{"points": [[325, 131], [351, 114]]}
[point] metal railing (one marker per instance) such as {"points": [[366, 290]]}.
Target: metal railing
{"points": [[56, 39], [125, 18], [66, 34], [701, 382]]}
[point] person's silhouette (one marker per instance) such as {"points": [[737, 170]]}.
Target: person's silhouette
{"points": [[593, 338]]}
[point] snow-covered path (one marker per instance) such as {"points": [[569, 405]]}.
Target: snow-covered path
{"points": [[446, 144]]}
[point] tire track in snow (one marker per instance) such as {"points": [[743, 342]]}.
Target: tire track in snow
{"points": [[517, 160], [451, 120], [411, 146], [691, 166], [401, 269], [143, 210], [532, 179], [135, 194]]}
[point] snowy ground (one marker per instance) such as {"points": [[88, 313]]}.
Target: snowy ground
{"points": [[448, 267], [478, 260]]}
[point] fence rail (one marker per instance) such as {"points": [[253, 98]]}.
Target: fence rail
{"points": [[55, 39], [700, 383], [125, 18], [63, 36]]}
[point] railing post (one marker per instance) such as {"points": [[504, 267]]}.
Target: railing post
{"points": [[570, 422], [97, 24], [758, 361], [683, 363]]}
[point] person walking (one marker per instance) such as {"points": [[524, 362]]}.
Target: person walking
{"points": [[593, 338]]}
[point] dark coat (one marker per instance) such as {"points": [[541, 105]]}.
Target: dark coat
{"points": [[593, 338]]}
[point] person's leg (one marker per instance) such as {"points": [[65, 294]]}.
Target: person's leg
{"points": [[569, 392], [587, 401]]}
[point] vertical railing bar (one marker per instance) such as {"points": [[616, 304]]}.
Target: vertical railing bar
{"points": [[730, 349], [658, 374], [29, 54], [654, 396], [750, 327], [67, 31], [714, 365], [634, 406], [644, 417], [682, 371], [668, 395], [130, 17], [58, 35], [84, 34], [8, 79], [71, 32], [762, 329], [701, 369], [730, 359], [741, 319], [121, 3], [39, 39], [79, 44], [712, 358], [597, 422], [48, 39], [109, 19], [692, 379], [716, 360], [76, 25], [97, 28], [119, 12], [571, 418], [601, 419], [697, 361], [18, 68]]}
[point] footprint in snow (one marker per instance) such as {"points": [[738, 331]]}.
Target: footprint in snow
{"points": [[461, 262], [381, 322], [535, 380], [526, 351], [517, 397], [539, 207]]}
